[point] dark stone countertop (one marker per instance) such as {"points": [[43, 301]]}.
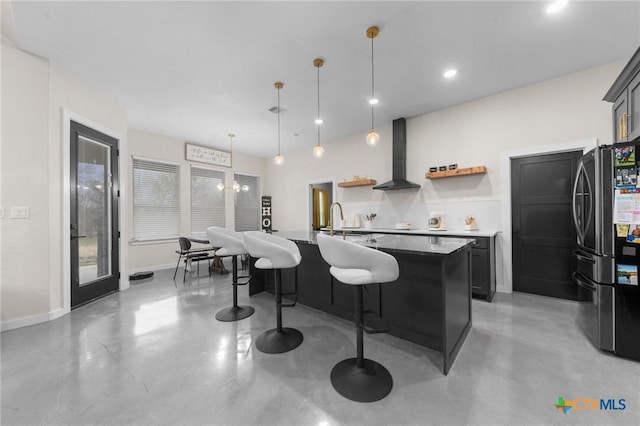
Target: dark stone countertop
{"points": [[390, 243]]}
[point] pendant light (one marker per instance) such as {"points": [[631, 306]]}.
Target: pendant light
{"points": [[278, 159], [236, 187], [372, 137], [318, 150]]}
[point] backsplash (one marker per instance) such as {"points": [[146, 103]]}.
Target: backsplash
{"points": [[487, 213]]}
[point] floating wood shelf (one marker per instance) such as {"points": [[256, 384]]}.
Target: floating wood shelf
{"points": [[359, 182], [457, 172]]}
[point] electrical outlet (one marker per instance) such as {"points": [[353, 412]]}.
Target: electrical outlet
{"points": [[20, 213]]}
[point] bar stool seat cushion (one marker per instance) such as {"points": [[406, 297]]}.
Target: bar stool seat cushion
{"points": [[354, 264], [228, 242], [273, 252]]}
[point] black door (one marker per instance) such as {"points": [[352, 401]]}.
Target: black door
{"points": [[94, 214], [543, 235]]}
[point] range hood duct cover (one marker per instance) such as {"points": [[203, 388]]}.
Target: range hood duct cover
{"points": [[399, 165]]}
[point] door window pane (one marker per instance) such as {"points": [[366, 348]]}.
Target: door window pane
{"points": [[94, 204]]}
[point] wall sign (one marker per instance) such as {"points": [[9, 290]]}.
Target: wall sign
{"points": [[203, 154], [266, 213]]}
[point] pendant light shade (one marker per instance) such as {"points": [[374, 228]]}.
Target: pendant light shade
{"points": [[372, 137], [278, 159], [318, 150]]}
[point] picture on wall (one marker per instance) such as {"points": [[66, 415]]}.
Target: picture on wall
{"points": [[202, 154]]}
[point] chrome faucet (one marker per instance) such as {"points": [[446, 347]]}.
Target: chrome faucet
{"points": [[331, 215]]}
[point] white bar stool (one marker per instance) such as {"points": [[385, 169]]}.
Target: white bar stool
{"points": [[231, 243], [359, 379], [275, 253]]}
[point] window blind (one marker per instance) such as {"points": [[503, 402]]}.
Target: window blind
{"points": [[156, 200], [207, 200], [247, 203]]}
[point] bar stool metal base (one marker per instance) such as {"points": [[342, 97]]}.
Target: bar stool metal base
{"points": [[370, 383], [235, 313], [277, 342]]}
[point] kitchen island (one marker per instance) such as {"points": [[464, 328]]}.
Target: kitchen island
{"points": [[429, 304]]}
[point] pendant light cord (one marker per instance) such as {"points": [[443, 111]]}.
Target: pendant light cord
{"points": [[318, 105], [372, 84], [278, 121]]}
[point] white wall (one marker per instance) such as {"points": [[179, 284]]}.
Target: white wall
{"points": [[35, 96], [145, 256], [534, 119]]}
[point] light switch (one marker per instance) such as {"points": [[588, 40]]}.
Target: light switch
{"points": [[20, 213], [1, 212]]}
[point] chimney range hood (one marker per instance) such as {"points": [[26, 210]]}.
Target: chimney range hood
{"points": [[399, 165]]}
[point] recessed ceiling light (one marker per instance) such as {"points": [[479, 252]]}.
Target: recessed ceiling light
{"points": [[373, 101], [557, 6], [319, 121], [450, 73]]}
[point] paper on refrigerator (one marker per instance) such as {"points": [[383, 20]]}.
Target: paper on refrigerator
{"points": [[626, 207]]}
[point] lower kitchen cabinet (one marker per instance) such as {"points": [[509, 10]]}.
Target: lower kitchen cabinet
{"points": [[483, 268]]}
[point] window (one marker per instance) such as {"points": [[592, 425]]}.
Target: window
{"points": [[207, 199], [156, 200], [247, 203]]}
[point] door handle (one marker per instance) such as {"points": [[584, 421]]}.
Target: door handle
{"points": [[585, 258]]}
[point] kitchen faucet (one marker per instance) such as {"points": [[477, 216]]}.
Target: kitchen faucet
{"points": [[331, 216]]}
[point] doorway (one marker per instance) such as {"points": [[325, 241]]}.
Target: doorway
{"points": [[543, 235], [320, 198], [94, 248]]}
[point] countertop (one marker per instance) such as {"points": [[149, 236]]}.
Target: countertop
{"points": [[390, 243], [465, 234]]}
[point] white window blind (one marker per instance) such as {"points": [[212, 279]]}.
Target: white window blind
{"points": [[156, 200], [207, 200], [247, 203]]}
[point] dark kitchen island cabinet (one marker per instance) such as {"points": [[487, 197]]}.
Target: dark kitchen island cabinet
{"points": [[483, 265], [429, 304]]}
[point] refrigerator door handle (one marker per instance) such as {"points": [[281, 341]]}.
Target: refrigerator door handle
{"points": [[580, 228], [585, 258], [582, 283]]}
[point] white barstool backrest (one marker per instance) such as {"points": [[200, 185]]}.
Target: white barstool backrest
{"points": [[228, 242], [353, 263], [273, 252]]}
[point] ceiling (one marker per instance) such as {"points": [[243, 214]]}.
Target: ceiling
{"points": [[200, 70]]}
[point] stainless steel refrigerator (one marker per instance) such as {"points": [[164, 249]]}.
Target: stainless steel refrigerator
{"points": [[608, 254]]}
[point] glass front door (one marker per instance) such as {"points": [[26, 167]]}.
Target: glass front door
{"points": [[94, 230]]}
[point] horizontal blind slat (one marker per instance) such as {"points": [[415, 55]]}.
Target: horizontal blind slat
{"points": [[207, 200], [156, 200]]}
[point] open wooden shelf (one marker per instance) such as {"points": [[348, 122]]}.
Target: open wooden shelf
{"points": [[457, 172], [359, 182]]}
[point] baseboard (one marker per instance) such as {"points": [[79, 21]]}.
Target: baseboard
{"points": [[32, 320], [152, 268]]}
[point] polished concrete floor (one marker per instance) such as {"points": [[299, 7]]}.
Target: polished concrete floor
{"points": [[155, 355]]}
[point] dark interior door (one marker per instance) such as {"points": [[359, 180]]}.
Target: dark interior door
{"points": [[94, 215], [543, 235]]}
